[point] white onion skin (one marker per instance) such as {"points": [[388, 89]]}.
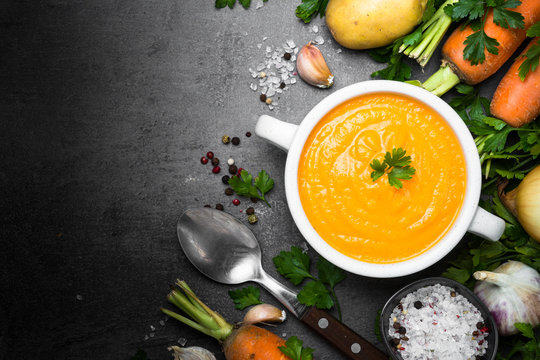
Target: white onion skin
{"points": [[528, 203]]}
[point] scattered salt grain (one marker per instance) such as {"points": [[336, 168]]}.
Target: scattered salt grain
{"points": [[79, 297], [259, 5], [319, 40], [253, 86], [431, 324], [291, 43], [146, 337], [161, 322], [265, 38], [259, 46], [152, 328], [338, 51], [182, 341], [151, 334], [315, 28], [293, 81]]}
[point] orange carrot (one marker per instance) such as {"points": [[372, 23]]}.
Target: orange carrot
{"points": [[456, 69], [251, 342], [518, 102], [247, 342]]}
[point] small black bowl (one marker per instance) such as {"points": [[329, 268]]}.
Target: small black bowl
{"points": [[493, 337]]}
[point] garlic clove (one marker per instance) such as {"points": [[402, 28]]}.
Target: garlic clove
{"points": [[191, 353], [312, 67], [264, 313]]}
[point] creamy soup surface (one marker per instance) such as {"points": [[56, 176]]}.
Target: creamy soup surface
{"points": [[373, 221]]}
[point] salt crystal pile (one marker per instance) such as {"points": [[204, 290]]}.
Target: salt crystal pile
{"points": [[436, 323], [276, 73]]}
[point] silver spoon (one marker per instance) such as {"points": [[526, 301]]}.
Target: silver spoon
{"points": [[225, 250]]}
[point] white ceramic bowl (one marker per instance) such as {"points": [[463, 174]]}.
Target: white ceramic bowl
{"points": [[472, 218]]}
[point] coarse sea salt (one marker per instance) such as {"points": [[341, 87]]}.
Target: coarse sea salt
{"points": [[437, 323]]}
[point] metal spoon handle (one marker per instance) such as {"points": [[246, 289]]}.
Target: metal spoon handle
{"points": [[285, 295], [342, 337]]}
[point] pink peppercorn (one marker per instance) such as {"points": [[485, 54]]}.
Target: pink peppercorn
{"points": [[216, 169], [236, 202], [204, 160]]}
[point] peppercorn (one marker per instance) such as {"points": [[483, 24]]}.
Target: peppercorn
{"points": [[235, 140], [250, 211], [225, 179], [240, 170], [282, 85], [229, 191], [262, 97], [248, 134], [453, 294], [225, 139], [268, 101], [254, 199], [216, 169], [210, 155], [204, 160], [476, 333], [287, 56], [404, 338], [402, 330], [207, 206], [400, 306], [253, 219], [230, 161], [395, 341], [219, 207], [418, 304], [233, 169], [215, 161], [396, 325], [236, 202], [479, 325]]}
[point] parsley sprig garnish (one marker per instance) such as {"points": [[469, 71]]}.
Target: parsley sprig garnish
{"points": [[396, 165], [294, 349], [243, 185], [230, 3], [532, 56], [319, 292], [309, 8], [474, 12], [244, 297]]}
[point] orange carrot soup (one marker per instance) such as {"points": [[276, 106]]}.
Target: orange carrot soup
{"points": [[373, 221]]}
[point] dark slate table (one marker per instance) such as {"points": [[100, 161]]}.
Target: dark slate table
{"points": [[107, 107]]}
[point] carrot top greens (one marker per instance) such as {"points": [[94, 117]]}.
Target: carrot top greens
{"points": [[533, 54], [474, 13]]}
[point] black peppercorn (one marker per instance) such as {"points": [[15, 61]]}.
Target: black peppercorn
{"points": [[453, 294], [282, 85], [248, 134], [235, 140], [219, 207], [396, 325], [233, 169], [402, 330], [229, 191], [395, 341], [287, 56], [254, 199], [250, 211], [207, 206], [215, 161], [400, 306], [418, 305], [225, 179], [479, 325], [262, 97]]}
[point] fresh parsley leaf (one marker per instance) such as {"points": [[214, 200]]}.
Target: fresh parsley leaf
{"points": [[395, 165], [471, 9], [525, 329], [243, 185], [476, 44], [294, 265], [293, 348], [507, 18], [396, 68], [309, 8], [534, 30], [245, 297], [532, 58], [314, 293], [230, 3], [245, 3], [329, 273]]}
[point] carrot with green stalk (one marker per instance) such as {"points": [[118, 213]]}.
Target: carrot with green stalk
{"points": [[239, 342], [517, 98], [473, 53]]}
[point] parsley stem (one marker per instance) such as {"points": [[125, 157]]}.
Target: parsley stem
{"points": [[524, 162], [338, 307]]}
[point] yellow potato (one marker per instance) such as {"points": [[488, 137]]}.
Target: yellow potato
{"points": [[366, 24]]}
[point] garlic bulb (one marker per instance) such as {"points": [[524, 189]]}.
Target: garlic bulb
{"points": [[312, 68], [512, 294], [264, 313], [191, 353]]}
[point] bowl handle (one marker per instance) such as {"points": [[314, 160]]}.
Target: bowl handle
{"points": [[487, 225], [276, 132]]}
